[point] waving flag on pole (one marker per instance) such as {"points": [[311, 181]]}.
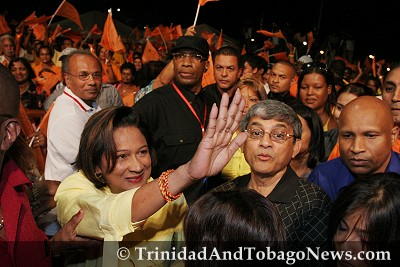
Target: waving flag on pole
{"points": [[110, 39], [201, 3], [68, 11]]}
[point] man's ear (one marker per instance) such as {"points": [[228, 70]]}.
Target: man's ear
{"points": [[9, 133]]}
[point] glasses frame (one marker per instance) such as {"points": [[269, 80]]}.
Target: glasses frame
{"points": [[286, 136], [193, 57], [84, 77]]}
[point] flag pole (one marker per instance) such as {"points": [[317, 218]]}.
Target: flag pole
{"points": [[197, 14], [58, 9]]}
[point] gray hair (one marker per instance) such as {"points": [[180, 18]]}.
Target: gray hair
{"points": [[273, 110]]}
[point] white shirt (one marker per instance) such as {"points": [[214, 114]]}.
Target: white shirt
{"points": [[66, 122]]}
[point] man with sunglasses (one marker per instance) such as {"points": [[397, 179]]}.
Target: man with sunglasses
{"points": [[274, 132], [176, 114], [82, 75]]}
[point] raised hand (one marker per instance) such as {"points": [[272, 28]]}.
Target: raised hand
{"points": [[216, 148]]}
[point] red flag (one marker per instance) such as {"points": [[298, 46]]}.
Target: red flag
{"points": [[150, 53], [68, 11], [4, 28], [203, 2], [220, 41], [278, 34], [110, 39]]}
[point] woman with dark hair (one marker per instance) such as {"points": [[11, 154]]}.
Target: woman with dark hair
{"points": [[348, 93], [312, 141], [229, 220], [365, 217], [127, 87], [316, 89], [24, 74], [113, 185]]}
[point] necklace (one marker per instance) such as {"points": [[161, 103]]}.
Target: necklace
{"points": [[2, 223]]}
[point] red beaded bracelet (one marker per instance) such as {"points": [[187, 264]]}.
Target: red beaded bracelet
{"points": [[164, 188]]}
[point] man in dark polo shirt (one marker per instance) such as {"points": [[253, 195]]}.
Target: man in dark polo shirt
{"points": [[274, 132], [176, 114]]}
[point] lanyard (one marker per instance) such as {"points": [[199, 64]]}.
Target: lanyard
{"points": [[76, 100], [192, 110]]}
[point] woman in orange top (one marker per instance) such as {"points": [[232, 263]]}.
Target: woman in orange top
{"points": [[126, 88], [111, 72]]}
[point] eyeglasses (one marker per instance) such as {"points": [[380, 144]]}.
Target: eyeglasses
{"points": [[275, 135], [84, 76], [193, 57]]}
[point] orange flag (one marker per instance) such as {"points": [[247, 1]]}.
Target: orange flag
{"points": [[4, 28], [177, 31], [150, 53], [268, 45], [310, 37], [95, 30], [73, 35], [68, 11], [280, 56], [208, 76], [39, 30], [203, 2], [32, 20], [30, 17], [45, 120], [208, 36], [56, 32], [135, 34], [220, 41], [264, 54], [147, 32], [110, 39], [278, 34]]}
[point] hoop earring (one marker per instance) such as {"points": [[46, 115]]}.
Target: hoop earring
{"points": [[100, 177]]}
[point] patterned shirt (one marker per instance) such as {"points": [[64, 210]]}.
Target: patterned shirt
{"points": [[303, 206]]}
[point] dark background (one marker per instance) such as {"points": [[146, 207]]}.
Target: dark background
{"points": [[374, 26]]}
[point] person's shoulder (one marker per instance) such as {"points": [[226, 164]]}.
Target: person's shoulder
{"points": [[155, 96], [328, 165]]}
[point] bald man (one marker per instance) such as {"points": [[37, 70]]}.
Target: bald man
{"points": [[17, 224], [366, 136]]}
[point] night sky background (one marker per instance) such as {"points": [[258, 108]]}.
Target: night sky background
{"points": [[375, 27]]}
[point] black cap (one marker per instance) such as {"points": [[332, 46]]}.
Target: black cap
{"points": [[196, 43]]}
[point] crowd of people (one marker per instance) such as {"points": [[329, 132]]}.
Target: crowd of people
{"points": [[292, 154]]}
